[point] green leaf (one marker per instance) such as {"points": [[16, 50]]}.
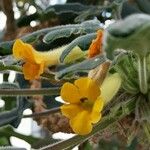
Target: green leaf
{"points": [[8, 132], [84, 66], [79, 29], [4, 141], [128, 74], [40, 143], [96, 10], [8, 60], [14, 116], [6, 47], [75, 7], [131, 34], [83, 42], [144, 5]]}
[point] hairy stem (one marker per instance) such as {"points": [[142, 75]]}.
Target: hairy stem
{"points": [[8, 132], [19, 70], [44, 113], [142, 73], [29, 92]]}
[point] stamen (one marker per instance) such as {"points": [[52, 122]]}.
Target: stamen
{"points": [[83, 99]]}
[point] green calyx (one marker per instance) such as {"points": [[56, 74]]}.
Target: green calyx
{"points": [[131, 34]]}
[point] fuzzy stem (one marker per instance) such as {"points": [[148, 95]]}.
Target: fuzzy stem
{"points": [[44, 113], [8, 132], [146, 127], [29, 92], [142, 73], [19, 70]]}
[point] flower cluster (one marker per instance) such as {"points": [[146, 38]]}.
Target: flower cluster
{"points": [[84, 99]]}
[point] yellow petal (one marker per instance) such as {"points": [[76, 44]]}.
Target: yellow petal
{"points": [[88, 88], [17, 49], [22, 50], [70, 110], [98, 104], [81, 124], [97, 108], [110, 87], [32, 71], [70, 93], [95, 117]]}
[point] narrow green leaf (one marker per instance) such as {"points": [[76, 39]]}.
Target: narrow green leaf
{"points": [[75, 7], [56, 34], [6, 47], [82, 67], [13, 117], [144, 5], [8, 132], [79, 29]]}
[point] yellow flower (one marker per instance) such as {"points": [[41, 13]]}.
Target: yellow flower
{"points": [[36, 62], [84, 104]]}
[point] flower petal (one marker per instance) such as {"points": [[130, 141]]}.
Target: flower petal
{"points": [[96, 46], [110, 87], [70, 93], [95, 117], [97, 108], [32, 71], [98, 105], [70, 110], [22, 50], [81, 124], [88, 88]]}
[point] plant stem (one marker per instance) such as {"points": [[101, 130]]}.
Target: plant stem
{"points": [[10, 67], [8, 132], [142, 73], [19, 69], [104, 123], [29, 92], [44, 113]]}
